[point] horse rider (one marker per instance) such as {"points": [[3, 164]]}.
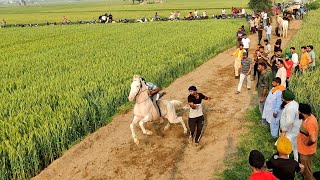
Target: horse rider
{"points": [[154, 93]]}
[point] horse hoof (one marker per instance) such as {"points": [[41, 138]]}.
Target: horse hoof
{"points": [[166, 128], [185, 132], [149, 133], [136, 141]]}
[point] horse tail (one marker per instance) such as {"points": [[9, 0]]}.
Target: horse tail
{"points": [[176, 103]]}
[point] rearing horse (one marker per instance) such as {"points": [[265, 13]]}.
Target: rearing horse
{"points": [[145, 111]]}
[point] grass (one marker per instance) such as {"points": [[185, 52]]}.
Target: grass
{"points": [[40, 13]]}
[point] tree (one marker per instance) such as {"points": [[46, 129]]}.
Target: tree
{"points": [[260, 5]]}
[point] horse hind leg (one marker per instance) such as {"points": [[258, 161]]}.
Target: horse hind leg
{"points": [[177, 120]]}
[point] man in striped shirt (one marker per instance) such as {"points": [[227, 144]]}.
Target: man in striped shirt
{"points": [[245, 68]]}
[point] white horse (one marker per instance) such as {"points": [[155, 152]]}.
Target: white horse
{"points": [[145, 111], [280, 21]]}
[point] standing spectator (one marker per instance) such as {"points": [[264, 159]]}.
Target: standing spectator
{"points": [[256, 23], [274, 62], [252, 27], [3, 23], [239, 36], [268, 31], [289, 121], [272, 107], [178, 15], [277, 45], [256, 161], [263, 87], [260, 31], [304, 60], [267, 47], [307, 139], [282, 166], [196, 119], [243, 12], [301, 12], [288, 64], [312, 56], [246, 42], [265, 18], [259, 57], [295, 59], [282, 72], [245, 69], [237, 62]]}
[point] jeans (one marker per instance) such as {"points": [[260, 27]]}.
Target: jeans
{"points": [[268, 36]]}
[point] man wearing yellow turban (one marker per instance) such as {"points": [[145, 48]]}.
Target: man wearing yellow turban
{"points": [[282, 166]]}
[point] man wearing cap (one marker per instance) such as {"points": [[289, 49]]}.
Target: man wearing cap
{"points": [[288, 65], [307, 139], [237, 62], [282, 166], [289, 121], [272, 107], [245, 70], [196, 119]]}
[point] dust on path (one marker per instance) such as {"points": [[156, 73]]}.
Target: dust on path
{"points": [[110, 153]]}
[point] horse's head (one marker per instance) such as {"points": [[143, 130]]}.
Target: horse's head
{"points": [[136, 87]]}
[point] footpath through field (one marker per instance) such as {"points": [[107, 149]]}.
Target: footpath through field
{"points": [[110, 153]]}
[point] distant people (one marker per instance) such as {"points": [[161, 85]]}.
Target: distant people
{"points": [[237, 62], [239, 36], [260, 31], [304, 60], [178, 15], [196, 15], [3, 23], [110, 18], [172, 16], [288, 64], [274, 62], [65, 20], [245, 71], [243, 12], [204, 14], [257, 161], [277, 45], [268, 31], [103, 18], [295, 59], [251, 25], [267, 47], [312, 56], [307, 139], [265, 19], [155, 17], [282, 72], [223, 12]]}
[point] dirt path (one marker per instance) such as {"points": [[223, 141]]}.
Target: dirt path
{"points": [[110, 153]]}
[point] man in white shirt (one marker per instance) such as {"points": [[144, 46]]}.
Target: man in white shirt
{"points": [[243, 11], [246, 43], [268, 31], [264, 20], [251, 24], [289, 121], [223, 12], [295, 58], [282, 72]]}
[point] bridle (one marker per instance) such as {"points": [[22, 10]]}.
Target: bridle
{"points": [[139, 92]]}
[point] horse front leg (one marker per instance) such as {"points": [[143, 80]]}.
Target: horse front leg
{"points": [[133, 123], [145, 119]]}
